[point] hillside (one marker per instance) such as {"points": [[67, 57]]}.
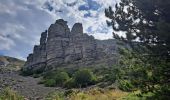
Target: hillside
{"points": [[29, 87], [10, 63]]}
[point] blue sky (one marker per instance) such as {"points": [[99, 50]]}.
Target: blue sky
{"points": [[22, 21]]}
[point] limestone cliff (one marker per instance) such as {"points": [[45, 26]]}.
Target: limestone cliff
{"points": [[60, 45]]}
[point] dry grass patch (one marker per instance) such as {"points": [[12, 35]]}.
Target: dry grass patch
{"points": [[98, 94]]}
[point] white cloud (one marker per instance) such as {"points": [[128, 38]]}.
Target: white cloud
{"points": [[96, 20], [69, 1], [6, 43], [21, 29], [106, 3], [24, 20], [9, 7]]}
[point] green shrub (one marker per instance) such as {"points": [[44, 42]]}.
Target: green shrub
{"points": [[70, 71], [125, 85], [111, 75], [39, 70], [81, 78], [26, 72], [84, 78], [70, 83], [50, 82], [30, 71], [49, 75], [53, 74], [61, 78]]}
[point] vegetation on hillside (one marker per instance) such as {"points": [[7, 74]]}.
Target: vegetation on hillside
{"points": [[145, 66], [77, 94], [92, 94], [79, 78], [8, 94], [10, 63]]}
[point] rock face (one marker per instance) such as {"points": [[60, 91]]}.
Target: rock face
{"points": [[60, 45]]}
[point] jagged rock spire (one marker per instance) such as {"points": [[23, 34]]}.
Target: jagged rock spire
{"points": [[43, 37], [60, 46], [77, 29]]}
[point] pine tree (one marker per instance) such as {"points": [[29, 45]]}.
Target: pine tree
{"points": [[147, 22]]}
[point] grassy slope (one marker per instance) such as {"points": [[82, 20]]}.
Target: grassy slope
{"points": [[11, 63], [87, 94]]}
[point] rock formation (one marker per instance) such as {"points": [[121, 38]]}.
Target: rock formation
{"points": [[60, 45]]}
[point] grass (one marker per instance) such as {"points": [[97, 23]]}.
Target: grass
{"points": [[91, 94], [8, 94], [55, 96], [82, 94], [98, 94], [95, 94], [136, 95]]}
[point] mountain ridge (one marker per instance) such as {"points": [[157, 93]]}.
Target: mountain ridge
{"points": [[60, 45]]}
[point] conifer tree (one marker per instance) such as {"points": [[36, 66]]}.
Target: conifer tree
{"points": [[147, 22]]}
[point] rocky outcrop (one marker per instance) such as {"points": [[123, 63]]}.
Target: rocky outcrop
{"points": [[60, 45]]}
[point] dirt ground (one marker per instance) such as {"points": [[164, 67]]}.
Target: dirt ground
{"points": [[26, 86]]}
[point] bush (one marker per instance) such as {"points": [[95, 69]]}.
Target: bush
{"points": [[26, 72], [50, 82], [39, 70], [111, 75], [125, 85], [84, 77], [30, 71], [61, 78], [81, 78], [49, 75], [70, 83]]}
